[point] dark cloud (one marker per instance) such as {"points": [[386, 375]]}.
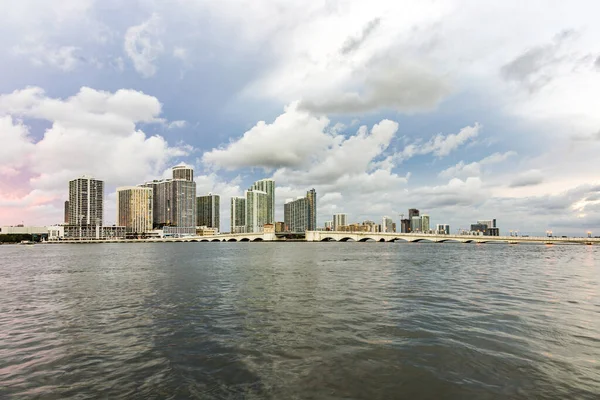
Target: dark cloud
{"points": [[597, 63], [388, 84], [529, 178], [530, 69], [354, 42]]}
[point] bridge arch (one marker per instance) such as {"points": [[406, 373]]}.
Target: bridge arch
{"points": [[244, 239], [367, 239], [232, 240], [215, 240], [258, 239], [347, 239], [205, 240], [328, 239]]}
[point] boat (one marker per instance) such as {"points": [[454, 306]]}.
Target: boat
{"points": [[27, 242]]}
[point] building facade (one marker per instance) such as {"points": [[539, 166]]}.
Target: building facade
{"points": [[296, 215], [66, 219], [415, 224], [328, 225], [387, 225], [237, 208], [174, 200], [405, 226], [425, 223], [86, 201], [208, 211], [339, 220], [412, 212], [267, 186], [183, 172], [256, 210], [134, 208], [311, 199]]}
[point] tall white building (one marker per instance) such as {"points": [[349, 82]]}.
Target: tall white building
{"points": [[238, 215], [328, 225], [134, 208], [416, 224], [425, 223], [295, 215], [442, 229], [387, 225], [183, 172], [340, 219], [86, 201], [267, 186], [256, 210]]}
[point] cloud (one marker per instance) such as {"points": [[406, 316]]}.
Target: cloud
{"points": [[180, 53], [176, 124], [388, 84], [64, 58], [93, 132], [441, 145], [290, 141], [353, 43], [474, 169], [597, 63], [143, 46], [529, 178], [533, 68]]}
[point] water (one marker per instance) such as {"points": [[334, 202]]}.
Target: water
{"points": [[299, 321]]}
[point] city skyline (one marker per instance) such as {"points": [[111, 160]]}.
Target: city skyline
{"points": [[369, 103]]}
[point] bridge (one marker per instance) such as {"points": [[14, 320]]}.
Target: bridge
{"points": [[327, 236]]}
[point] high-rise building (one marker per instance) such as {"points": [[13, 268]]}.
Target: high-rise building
{"points": [[387, 225], [208, 211], [311, 199], [328, 225], [256, 210], [425, 223], [490, 223], [267, 186], [86, 201], [412, 212], [174, 201], [339, 220], [183, 172], [66, 212], [405, 226], [415, 224], [295, 214], [134, 208], [442, 229], [238, 215]]}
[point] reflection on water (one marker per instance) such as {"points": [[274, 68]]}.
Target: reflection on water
{"points": [[299, 320]]}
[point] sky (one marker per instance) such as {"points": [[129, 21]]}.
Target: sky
{"points": [[461, 109]]}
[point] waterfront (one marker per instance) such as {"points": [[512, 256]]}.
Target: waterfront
{"points": [[300, 320]]}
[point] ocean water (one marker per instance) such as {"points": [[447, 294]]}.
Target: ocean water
{"points": [[299, 321]]}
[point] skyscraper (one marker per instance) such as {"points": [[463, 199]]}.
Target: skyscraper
{"points": [[134, 208], [415, 224], [66, 212], [425, 223], [256, 210], [86, 201], [208, 211], [183, 172], [296, 214], [412, 212], [174, 200], [267, 186], [405, 225], [339, 220], [311, 199], [238, 215], [387, 225]]}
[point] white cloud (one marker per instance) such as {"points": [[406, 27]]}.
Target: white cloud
{"points": [[474, 169], [440, 145], [61, 57], [93, 132], [16, 145], [176, 124], [291, 140], [180, 53], [143, 45]]}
